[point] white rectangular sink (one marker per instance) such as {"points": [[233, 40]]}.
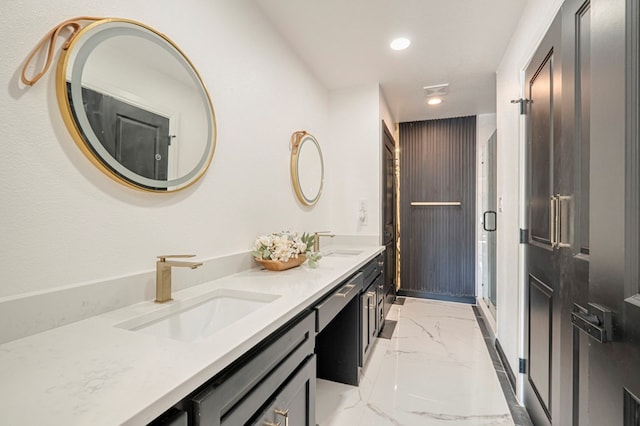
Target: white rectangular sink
{"points": [[342, 253], [201, 317]]}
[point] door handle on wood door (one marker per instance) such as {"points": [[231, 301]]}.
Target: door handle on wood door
{"points": [[563, 225], [553, 221], [559, 221], [495, 221]]}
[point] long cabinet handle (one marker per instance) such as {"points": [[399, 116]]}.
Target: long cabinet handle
{"points": [[435, 203]]}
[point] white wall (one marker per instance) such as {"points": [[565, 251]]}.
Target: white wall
{"points": [[534, 22], [386, 116], [63, 222], [355, 153]]}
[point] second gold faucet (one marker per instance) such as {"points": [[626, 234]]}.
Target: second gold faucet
{"points": [[316, 239], [163, 274]]}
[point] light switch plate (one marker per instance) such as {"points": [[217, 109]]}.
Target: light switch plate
{"points": [[363, 216]]}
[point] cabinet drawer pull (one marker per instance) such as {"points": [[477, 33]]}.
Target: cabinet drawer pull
{"points": [[344, 291], [268, 423], [283, 413]]}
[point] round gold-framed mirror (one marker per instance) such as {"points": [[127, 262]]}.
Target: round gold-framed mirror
{"points": [[136, 106], [307, 167]]}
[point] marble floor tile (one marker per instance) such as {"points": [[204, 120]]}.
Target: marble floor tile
{"points": [[435, 370]]}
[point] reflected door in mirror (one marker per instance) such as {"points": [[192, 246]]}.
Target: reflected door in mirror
{"points": [[123, 88], [136, 138]]}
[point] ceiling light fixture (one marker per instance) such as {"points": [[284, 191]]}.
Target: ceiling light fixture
{"points": [[434, 101], [400, 43]]}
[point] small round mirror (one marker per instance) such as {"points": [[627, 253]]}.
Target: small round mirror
{"points": [[136, 106], [307, 168]]}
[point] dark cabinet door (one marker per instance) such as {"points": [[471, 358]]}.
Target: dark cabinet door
{"points": [[574, 210], [368, 315], [610, 370], [389, 218], [583, 306], [543, 79]]}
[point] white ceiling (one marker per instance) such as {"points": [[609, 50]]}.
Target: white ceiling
{"points": [[345, 43]]}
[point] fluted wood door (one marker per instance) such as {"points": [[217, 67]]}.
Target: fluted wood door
{"points": [[437, 210]]}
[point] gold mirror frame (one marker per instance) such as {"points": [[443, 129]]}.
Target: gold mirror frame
{"points": [[298, 141], [69, 87]]}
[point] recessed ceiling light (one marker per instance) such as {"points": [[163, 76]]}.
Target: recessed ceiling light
{"points": [[400, 43], [434, 101]]}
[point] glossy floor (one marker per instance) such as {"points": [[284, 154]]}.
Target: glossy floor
{"points": [[435, 370]]}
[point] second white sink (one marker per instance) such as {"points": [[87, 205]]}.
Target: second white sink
{"points": [[342, 253], [200, 318]]}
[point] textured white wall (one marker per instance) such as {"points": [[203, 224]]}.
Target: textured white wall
{"points": [[386, 115], [63, 222], [354, 174], [534, 22]]}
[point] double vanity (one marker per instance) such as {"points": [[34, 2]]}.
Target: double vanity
{"points": [[243, 348]]}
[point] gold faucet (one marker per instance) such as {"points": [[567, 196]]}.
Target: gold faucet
{"points": [[163, 274], [316, 239]]}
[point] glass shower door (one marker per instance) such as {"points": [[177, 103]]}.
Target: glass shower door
{"points": [[489, 224]]}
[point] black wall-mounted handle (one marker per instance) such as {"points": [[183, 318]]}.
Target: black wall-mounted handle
{"points": [[596, 320], [495, 221]]}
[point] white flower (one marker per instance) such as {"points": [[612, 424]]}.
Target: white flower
{"points": [[300, 247], [279, 246]]}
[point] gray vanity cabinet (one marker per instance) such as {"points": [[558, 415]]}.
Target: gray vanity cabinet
{"points": [[274, 372], [274, 383]]}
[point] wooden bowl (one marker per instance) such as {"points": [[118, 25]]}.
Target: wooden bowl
{"points": [[277, 265]]}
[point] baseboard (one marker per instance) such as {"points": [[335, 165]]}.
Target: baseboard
{"points": [[471, 300], [505, 364]]}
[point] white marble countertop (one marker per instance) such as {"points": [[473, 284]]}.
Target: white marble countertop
{"points": [[93, 372]]}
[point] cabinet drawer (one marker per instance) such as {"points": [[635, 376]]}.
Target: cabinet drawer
{"points": [[295, 404], [235, 398], [329, 307]]}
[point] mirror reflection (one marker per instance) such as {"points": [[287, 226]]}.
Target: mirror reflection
{"points": [[137, 106], [307, 168]]}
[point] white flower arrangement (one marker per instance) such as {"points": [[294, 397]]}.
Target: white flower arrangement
{"points": [[285, 245]]}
